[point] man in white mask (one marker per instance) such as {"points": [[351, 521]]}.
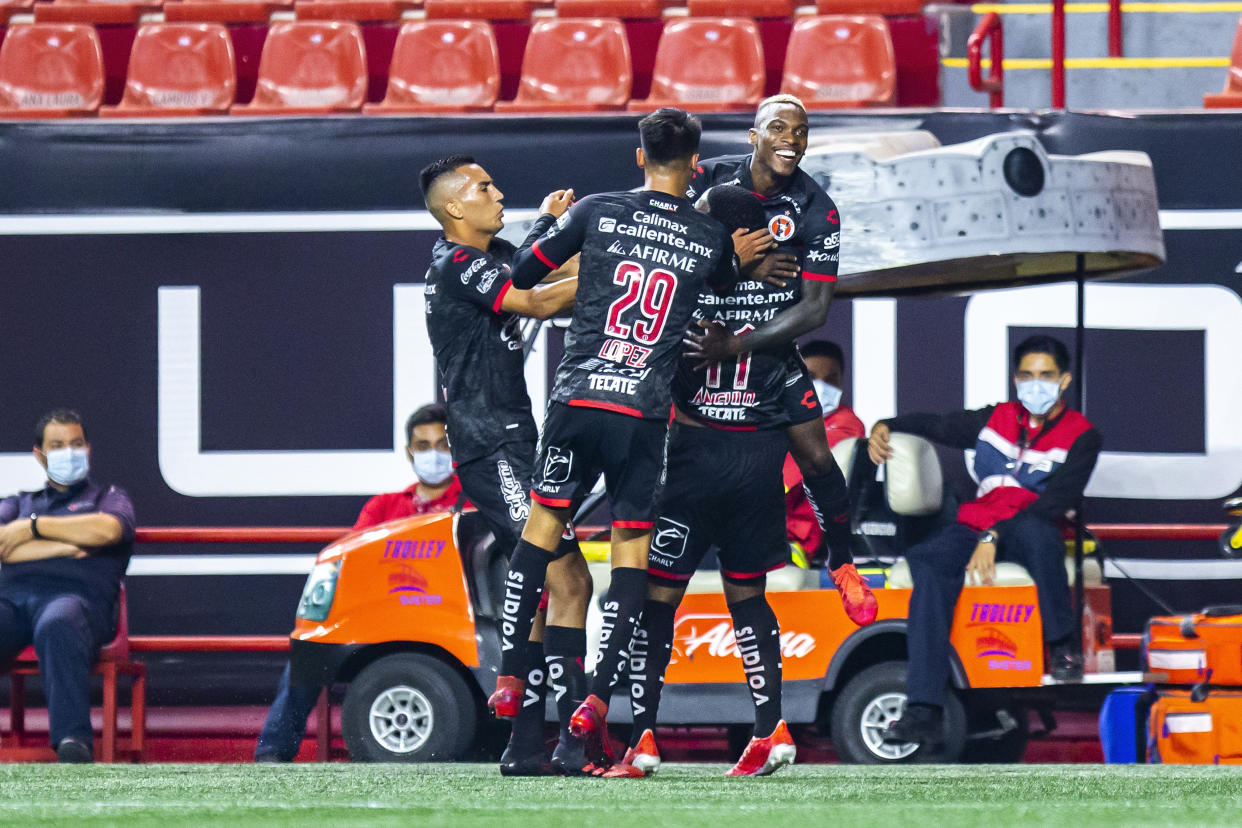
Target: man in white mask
{"points": [[826, 365], [64, 550], [1033, 458], [436, 490]]}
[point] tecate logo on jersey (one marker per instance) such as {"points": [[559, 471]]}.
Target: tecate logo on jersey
{"points": [[715, 632]]}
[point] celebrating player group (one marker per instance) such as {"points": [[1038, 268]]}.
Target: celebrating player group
{"points": [[686, 296]]}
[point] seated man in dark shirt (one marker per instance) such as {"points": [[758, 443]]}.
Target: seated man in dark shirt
{"points": [[1033, 458], [63, 552]]}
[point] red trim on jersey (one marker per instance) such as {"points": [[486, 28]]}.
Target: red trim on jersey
{"points": [[717, 427], [818, 277], [607, 406], [500, 297], [744, 575], [759, 196], [633, 524], [534, 248], [550, 502], [668, 576]]}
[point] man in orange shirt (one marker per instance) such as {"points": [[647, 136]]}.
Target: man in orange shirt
{"points": [[436, 490], [826, 364]]}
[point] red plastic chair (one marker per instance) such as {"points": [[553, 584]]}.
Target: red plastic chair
{"points": [[574, 66], [1231, 96], [442, 66], [178, 69], [707, 64], [50, 70], [841, 61], [113, 661], [310, 68]]}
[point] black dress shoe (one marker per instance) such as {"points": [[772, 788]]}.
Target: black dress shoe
{"points": [[73, 752], [1065, 663], [922, 724]]}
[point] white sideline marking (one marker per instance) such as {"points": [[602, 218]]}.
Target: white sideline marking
{"points": [[142, 565], [1174, 570]]}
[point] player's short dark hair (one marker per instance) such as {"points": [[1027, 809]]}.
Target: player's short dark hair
{"points": [[61, 416], [823, 348], [427, 175], [430, 413], [1043, 344], [669, 134], [735, 207]]}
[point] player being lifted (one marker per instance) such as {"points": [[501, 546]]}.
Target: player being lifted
{"points": [[805, 231], [472, 320], [646, 256]]}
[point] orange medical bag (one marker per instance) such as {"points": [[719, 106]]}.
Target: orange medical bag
{"points": [[1190, 649], [1193, 727]]}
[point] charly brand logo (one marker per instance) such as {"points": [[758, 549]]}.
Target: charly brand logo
{"points": [[781, 227], [670, 537], [411, 588], [713, 633]]}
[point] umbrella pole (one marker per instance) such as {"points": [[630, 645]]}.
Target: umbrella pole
{"points": [[1080, 520]]}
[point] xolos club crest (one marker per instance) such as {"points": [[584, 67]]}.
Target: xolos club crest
{"points": [[781, 227]]}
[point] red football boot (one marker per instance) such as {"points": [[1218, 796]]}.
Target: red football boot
{"points": [[589, 723], [860, 604], [641, 760], [764, 756], [507, 700]]}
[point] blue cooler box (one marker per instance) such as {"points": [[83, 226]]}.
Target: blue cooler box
{"points": [[1123, 725]]}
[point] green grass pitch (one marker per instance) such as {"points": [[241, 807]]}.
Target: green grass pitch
{"points": [[1070, 796]]}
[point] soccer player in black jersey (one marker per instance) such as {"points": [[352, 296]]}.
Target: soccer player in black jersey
{"points": [[646, 256], [472, 320], [768, 315]]}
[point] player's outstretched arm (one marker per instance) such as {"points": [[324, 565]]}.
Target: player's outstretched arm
{"points": [[553, 249], [716, 342], [542, 301]]}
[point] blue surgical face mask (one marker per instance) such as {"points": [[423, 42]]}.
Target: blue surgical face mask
{"points": [[433, 467], [1039, 396], [829, 395], [67, 465]]}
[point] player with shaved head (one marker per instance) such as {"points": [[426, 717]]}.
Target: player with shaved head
{"points": [[787, 295], [472, 318]]}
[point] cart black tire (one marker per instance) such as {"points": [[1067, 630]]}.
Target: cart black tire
{"points": [[1006, 749], [878, 686], [444, 718]]}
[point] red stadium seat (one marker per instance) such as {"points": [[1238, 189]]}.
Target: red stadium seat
{"points": [[95, 12], [1231, 97], [707, 64], [622, 9], [479, 9], [888, 8], [223, 11], [310, 68], [357, 10], [178, 69], [50, 70], [740, 8], [441, 66], [839, 61], [574, 66]]}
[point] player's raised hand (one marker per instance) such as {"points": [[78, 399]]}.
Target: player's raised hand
{"points": [[775, 268], [713, 345], [557, 202], [878, 446], [750, 245]]}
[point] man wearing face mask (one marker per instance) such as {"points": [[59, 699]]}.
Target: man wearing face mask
{"points": [[826, 365], [1033, 458], [436, 490], [64, 550]]}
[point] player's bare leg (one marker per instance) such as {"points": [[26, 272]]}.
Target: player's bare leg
{"points": [[829, 498]]}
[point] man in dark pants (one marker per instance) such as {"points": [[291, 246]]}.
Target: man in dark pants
{"points": [[1033, 458], [64, 550]]}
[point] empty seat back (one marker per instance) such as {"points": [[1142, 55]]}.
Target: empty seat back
{"points": [[444, 63], [843, 453], [841, 60], [51, 69], [181, 66], [709, 60], [913, 483], [312, 65], [576, 61]]}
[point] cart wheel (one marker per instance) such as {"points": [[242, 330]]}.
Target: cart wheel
{"points": [[408, 708], [872, 699]]}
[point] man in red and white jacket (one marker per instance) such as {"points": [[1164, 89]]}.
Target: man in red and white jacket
{"points": [[1033, 458]]}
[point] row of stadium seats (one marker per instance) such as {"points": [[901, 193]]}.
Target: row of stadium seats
{"points": [[570, 65]]}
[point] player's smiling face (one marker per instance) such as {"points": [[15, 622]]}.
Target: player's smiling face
{"points": [[780, 138], [481, 201]]}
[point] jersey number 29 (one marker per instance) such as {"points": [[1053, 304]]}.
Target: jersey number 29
{"points": [[651, 292]]}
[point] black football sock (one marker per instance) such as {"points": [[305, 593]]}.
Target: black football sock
{"points": [[527, 735], [523, 589], [623, 606], [651, 651], [830, 501], [566, 651], [759, 644]]}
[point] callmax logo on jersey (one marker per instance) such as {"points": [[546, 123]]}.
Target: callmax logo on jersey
{"points": [[752, 666], [715, 633], [625, 353], [781, 227], [669, 538], [988, 613], [607, 224], [557, 465], [509, 609], [512, 492]]}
